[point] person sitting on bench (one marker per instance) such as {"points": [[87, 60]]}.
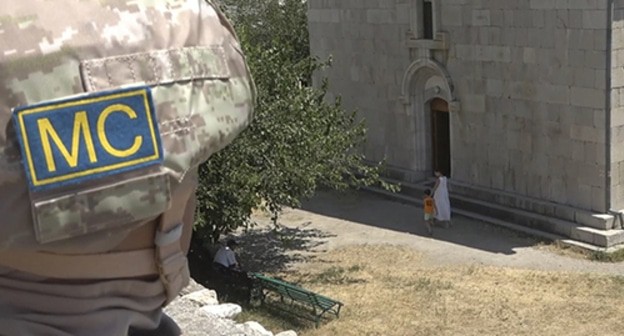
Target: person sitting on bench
{"points": [[225, 258]]}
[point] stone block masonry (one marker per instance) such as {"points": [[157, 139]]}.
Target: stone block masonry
{"points": [[369, 58], [198, 313], [545, 74], [617, 107], [539, 85]]}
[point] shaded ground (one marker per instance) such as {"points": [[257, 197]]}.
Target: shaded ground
{"points": [[266, 249], [472, 279], [330, 221], [269, 250], [362, 218]]}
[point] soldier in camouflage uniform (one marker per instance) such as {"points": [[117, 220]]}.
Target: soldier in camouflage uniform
{"points": [[106, 110]]}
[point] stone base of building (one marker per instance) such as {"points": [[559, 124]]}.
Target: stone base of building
{"points": [[597, 231]]}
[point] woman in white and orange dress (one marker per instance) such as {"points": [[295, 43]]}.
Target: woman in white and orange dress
{"points": [[441, 197]]}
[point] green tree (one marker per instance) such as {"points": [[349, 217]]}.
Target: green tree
{"points": [[298, 142]]}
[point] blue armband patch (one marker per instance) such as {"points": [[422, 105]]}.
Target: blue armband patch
{"points": [[83, 138]]}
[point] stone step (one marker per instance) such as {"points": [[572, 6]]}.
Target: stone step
{"points": [[418, 202], [604, 238], [510, 201], [520, 220], [553, 210]]}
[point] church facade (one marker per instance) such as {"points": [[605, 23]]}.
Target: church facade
{"points": [[519, 102]]}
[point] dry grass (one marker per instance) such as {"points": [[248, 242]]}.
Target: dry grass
{"points": [[580, 253], [390, 290]]}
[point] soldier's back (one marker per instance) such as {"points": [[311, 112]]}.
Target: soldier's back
{"points": [[106, 110]]}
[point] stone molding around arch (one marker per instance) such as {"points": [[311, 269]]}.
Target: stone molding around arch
{"points": [[444, 91]]}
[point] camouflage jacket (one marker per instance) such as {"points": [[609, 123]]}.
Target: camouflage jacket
{"points": [[76, 173]]}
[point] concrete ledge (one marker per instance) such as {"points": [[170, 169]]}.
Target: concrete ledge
{"points": [[599, 221], [604, 238], [440, 42]]}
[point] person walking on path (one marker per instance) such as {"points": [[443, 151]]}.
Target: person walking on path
{"points": [[441, 197], [429, 210]]}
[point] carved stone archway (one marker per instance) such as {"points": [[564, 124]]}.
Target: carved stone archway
{"points": [[423, 81], [427, 75]]}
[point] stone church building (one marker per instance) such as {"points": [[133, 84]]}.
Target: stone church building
{"points": [[520, 102]]}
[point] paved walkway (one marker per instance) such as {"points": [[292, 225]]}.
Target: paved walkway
{"points": [[360, 218]]}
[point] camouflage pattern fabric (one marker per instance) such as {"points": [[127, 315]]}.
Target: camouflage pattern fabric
{"points": [[183, 49], [31, 307]]}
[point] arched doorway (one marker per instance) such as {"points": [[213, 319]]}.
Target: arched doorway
{"points": [[440, 136], [428, 97]]}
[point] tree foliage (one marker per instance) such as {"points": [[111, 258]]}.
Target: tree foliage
{"points": [[297, 142]]}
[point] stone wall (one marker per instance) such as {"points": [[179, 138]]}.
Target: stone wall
{"points": [[530, 75], [617, 106], [366, 41], [198, 313]]}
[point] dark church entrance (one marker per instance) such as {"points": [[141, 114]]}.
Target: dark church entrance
{"points": [[441, 136]]}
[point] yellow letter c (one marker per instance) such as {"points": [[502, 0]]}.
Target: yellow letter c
{"points": [[101, 129]]}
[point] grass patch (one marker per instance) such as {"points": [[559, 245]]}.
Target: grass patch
{"points": [[336, 275], [272, 319], [428, 284], [580, 253], [614, 257], [399, 293]]}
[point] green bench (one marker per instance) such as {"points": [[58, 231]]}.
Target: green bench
{"points": [[319, 304]]}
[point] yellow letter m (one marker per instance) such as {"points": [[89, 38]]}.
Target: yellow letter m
{"points": [[47, 132]]}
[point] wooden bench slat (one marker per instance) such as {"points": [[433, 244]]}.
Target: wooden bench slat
{"points": [[298, 294]]}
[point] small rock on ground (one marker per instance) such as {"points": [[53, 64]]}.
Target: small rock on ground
{"points": [[257, 328], [204, 297], [287, 333], [198, 315], [225, 310]]}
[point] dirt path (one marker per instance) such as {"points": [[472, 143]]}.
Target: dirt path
{"points": [[355, 219]]}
